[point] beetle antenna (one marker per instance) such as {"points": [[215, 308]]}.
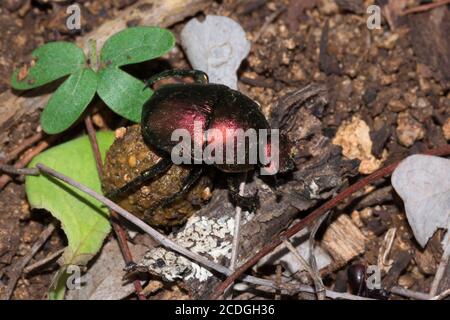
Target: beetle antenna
{"points": [[199, 76]]}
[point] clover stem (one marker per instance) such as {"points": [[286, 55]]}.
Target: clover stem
{"points": [[93, 54]]}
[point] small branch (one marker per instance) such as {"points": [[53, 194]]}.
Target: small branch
{"points": [[22, 147], [237, 227], [441, 269], [93, 54], [48, 259], [385, 250], [343, 295], [303, 263], [330, 204], [21, 163], [236, 234], [24, 171], [442, 295], [425, 7], [409, 293], [257, 82], [291, 289], [318, 284], [94, 143], [267, 23], [118, 230], [20, 265]]}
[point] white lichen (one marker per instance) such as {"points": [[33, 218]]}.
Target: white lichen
{"points": [[201, 235], [314, 188]]}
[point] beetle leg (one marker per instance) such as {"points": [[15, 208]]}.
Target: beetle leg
{"points": [[199, 76], [161, 167], [248, 202], [188, 182]]}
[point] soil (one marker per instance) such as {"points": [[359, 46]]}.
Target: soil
{"points": [[393, 81]]}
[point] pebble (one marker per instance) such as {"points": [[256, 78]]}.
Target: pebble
{"points": [[397, 105], [354, 138], [409, 130]]}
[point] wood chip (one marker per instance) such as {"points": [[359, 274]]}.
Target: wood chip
{"points": [[343, 240]]}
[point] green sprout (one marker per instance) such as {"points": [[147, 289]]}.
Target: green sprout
{"points": [[123, 93]]}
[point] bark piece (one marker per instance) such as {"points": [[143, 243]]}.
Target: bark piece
{"points": [[343, 240], [401, 262], [328, 63]]}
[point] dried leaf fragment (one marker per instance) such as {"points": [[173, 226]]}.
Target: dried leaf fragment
{"points": [[423, 182]]}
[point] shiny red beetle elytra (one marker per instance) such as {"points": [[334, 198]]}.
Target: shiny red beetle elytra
{"points": [[211, 108]]}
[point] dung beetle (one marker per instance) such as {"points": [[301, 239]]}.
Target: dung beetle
{"points": [[208, 106], [357, 280]]}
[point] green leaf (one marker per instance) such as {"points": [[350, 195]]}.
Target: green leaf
{"points": [[83, 219], [69, 101], [58, 286], [50, 62], [123, 93], [135, 45]]}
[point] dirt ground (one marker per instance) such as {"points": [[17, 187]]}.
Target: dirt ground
{"points": [[392, 83]]}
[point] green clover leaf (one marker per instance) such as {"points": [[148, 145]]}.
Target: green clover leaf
{"points": [[50, 62], [69, 101]]}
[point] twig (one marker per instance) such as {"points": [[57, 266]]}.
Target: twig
{"points": [[291, 289], [93, 54], [409, 293], [256, 82], [330, 204], [236, 233], [22, 171], [266, 24], [118, 230], [305, 266], [22, 147], [425, 7], [441, 269], [385, 250], [442, 295], [237, 227], [278, 280], [344, 295], [50, 258], [22, 162], [94, 143], [20, 265], [318, 284]]}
